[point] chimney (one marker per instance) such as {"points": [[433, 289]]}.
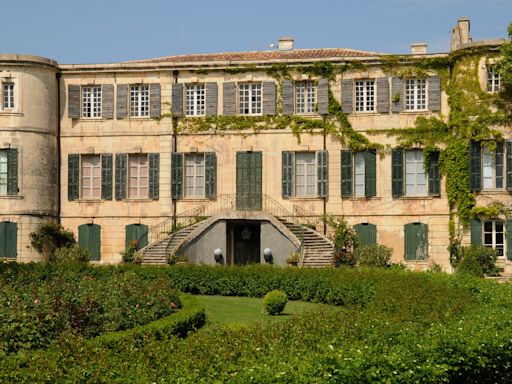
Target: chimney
{"points": [[419, 48], [285, 43], [460, 34]]}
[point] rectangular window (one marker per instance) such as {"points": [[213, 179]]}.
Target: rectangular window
{"points": [[415, 95], [494, 235], [305, 174], [138, 176], [194, 175], [91, 177], [493, 80], [415, 175], [139, 100], [305, 97], [359, 174], [493, 167], [195, 100], [250, 99], [91, 102], [365, 95], [3, 172], [8, 91]]}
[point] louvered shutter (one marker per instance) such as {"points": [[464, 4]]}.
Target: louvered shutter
{"points": [[73, 101], [434, 93], [177, 99], [121, 175], [12, 171], [269, 97], [122, 101], [416, 241], [366, 233], [397, 172], [347, 90], [508, 165], [287, 173], [397, 88], [73, 177], [322, 173], [229, 99], [287, 97], [210, 160], [346, 173], [154, 175], [154, 100], [434, 179], [211, 90], [107, 101], [370, 173], [382, 95], [323, 97], [177, 175], [475, 166], [476, 232], [509, 239], [106, 176]]}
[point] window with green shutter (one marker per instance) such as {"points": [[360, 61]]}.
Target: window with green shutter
{"points": [[397, 172], [416, 241], [358, 173], [434, 179], [288, 159], [106, 176], [89, 237], [154, 176], [210, 182], [177, 175], [370, 173], [322, 173], [346, 173], [9, 171], [121, 175], [475, 166], [137, 233], [73, 176], [366, 233], [8, 239]]}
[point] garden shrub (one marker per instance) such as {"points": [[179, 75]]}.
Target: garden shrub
{"points": [[477, 261], [50, 236], [274, 302], [373, 255], [72, 254], [131, 255]]}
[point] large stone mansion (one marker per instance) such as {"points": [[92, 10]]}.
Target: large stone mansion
{"points": [[244, 151]]}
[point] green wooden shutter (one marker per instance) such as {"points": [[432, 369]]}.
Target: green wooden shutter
{"points": [[107, 101], [397, 88], [121, 171], [229, 99], [346, 173], [434, 93], [73, 177], [136, 232], [508, 165], [475, 166], [122, 101], [154, 100], [347, 101], [366, 233], [287, 173], [8, 239], [322, 97], [177, 175], [106, 176], [509, 239], [12, 171], [89, 237], [268, 93], [382, 95], [154, 176], [210, 187], [434, 180], [211, 96], [73, 101], [416, 241], [287, 97], [476, 232], [370, 173], [177, 99], [397, 172], [322, 173]]}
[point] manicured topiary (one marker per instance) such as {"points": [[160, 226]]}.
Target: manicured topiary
{"points": [[274, 302]]}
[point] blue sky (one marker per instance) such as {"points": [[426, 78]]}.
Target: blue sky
{"points": [[100, 31]]}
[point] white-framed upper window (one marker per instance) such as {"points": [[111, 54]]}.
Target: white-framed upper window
{"points": [[3, 172], [138, 179], [194, 175], [415, 174], [195, 100], [305, 97], [493, 79], [493, 167], [415, 94], [139, 100], [359, 174], [305, 174], [91, 176], [494, 235], [8, 95], [91, 102], [250, 99], [365, 95]]}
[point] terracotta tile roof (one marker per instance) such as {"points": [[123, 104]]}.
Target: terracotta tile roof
{"points": [[295, 54]]}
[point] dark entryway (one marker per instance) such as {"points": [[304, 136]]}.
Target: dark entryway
{"points": [[248, 181], [243, 242]]}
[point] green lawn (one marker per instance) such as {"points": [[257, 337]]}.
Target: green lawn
{"points": [[226, 310]]}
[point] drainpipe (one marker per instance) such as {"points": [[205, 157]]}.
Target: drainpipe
{"points": [[325, 198], [174, 122], [59, 162]]}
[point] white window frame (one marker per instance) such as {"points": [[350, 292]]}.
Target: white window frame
{"points": [[306, 161], [305, 97], [493, 79], [250, 98], [8, 95], [195, 99], [3, 172], [415, 175], [138, 185], [139, 100], [493, 232], [415, 94], [493, 167], [91, 101], [195, 175], [89, 191], [365, 95]]}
